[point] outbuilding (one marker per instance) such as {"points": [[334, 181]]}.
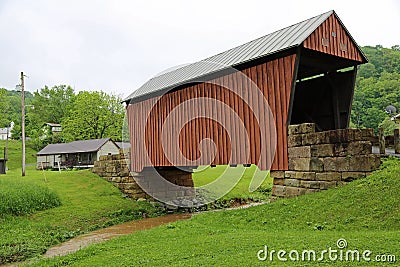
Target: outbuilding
{"points": [[76, 154]]}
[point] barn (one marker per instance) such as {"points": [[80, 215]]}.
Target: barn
{"points": [[235, 107]]}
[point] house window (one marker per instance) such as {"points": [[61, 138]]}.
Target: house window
{"points": [[343, 47]]}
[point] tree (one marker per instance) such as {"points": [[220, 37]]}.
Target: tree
{"points": [[389, 125], [4, 107], [94, 115], [377, 86], [49, 105]]}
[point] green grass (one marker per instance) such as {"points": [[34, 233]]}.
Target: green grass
{"points": [[15, 154], [240, 191], [19, 198], [366, 213], [88, 203]]}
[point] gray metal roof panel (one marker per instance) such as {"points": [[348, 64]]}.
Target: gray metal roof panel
{"points": [[53, 124], [74, 147], [277, 41]]}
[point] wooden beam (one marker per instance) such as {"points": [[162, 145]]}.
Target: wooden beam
{"points": [[335, 102], [382, 149], [293, 89], [396, 141], [353, 85]]}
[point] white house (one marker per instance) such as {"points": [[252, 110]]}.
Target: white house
{"points": [[53, 128], [4, 132], [80, 154]]}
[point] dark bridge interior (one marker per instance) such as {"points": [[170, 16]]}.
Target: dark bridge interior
{"points": [[324, 91]]}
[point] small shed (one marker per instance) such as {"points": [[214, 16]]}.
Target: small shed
{"points": [[305, 73], [79, 154]]}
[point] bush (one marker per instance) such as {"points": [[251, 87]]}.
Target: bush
{"points": [[19, 198]]}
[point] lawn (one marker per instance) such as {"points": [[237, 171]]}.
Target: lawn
{"points": [[87, 203], [366, 213], [15, 154], [240, 191]]}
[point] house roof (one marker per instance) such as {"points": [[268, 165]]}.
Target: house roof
{"points": [[74, 147], [284, 39], [53, 124], [123, 144]]}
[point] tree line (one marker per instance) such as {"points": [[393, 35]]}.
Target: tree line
{"points": [[377, 86], [83, 115]]}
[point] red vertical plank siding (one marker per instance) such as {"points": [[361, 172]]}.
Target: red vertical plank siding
{"points": [[230, 120], [196, 128], [263, 80], [332, 24], [222, 122], [207, 126], [273, 79], [251, 124], [261, 117], [256, 111], [278, 107]]}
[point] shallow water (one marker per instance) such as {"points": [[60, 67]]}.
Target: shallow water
{"points": [[102, 235]]}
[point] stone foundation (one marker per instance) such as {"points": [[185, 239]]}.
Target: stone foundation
{"points": [[114, 168], [321, 160], [167, 192]]}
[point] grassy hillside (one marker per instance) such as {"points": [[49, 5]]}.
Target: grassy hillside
{"points": [[366, 213], [87, 203], [15, 154]]}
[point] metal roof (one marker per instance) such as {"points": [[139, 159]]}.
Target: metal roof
{"points": [[123, 144], [53, 124], [283, 39], [74, 147]]}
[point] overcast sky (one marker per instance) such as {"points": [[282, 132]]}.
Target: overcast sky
{"points": [[116, 46]]}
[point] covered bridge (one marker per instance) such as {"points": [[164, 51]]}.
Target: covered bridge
{"points": [[305, 73]]}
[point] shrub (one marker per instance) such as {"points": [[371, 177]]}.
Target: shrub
{"points": [[19, 198]]}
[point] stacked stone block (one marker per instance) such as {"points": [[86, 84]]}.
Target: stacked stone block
{"points": [[114, 168], [151, 179], [321, 160]]}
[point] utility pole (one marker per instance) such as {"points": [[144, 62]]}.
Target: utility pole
{"points": [[23, 123], [6, 152]]}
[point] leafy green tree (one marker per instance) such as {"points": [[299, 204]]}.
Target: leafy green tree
{"points": [[382, 59], [377, 86], [4, 107], [389, 125], [94, 115], [14, 110], [49, 105]]}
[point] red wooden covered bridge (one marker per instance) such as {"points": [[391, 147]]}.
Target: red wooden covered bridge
{"points": [[305, 72]]}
